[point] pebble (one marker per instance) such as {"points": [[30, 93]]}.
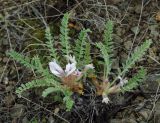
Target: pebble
{"points": [[128, 45], [138, 9], [135, 30], [145, 113], [123, 57], [17, 110], [5, 42], [117, 39], [5, 80], [9, 100], [9, 88], [115, 64], [5, 59]]}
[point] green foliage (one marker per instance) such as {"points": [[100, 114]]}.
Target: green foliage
{"points": [[108, 37], [49, 90], [81, 50], [50, 43], [136, 56], [87, 56], [36, 65], [80, 45], [67, 96], [64, 38], [26, 61], [135, 80], [68, 101], [30, 85], [33, 63], [106, 48], [47, 81], [106, 57]]}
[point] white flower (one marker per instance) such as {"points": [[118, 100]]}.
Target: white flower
{"points": [[122, 81], [71, 59], [89, 66], [57, 70], [70, 68], [105, 100]]}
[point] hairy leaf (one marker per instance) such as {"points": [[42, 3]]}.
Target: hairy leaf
{"points": [[136, 56], [50, 43], [49, 90], [80, 45], [135, 80], [64, 38]]}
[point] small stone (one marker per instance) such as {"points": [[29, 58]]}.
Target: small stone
{"points": [[5, 80], [17, 110], [117, 39], [5, 42], [56, 110], [128, 45], [138, 9], [130, 8], [9, 100], [151, 84], [9, 88], [119, 32], [123, 57], [135, 30], [154, 30], [5, 59], [145, 113], [139, 99], [115, 64]]}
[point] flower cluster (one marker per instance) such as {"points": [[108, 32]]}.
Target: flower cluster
{"points": [[113, 89], [71, 74]]}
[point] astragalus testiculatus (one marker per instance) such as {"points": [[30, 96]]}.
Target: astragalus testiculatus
{"points": [[71, 74]]}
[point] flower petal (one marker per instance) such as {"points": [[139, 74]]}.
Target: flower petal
{"points": [[71, 59], [56, 69], [70, 68], [122, 81], [106, 100], [89, 66]]}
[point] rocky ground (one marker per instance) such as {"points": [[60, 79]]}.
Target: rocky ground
{"points": [[22, 23]]}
